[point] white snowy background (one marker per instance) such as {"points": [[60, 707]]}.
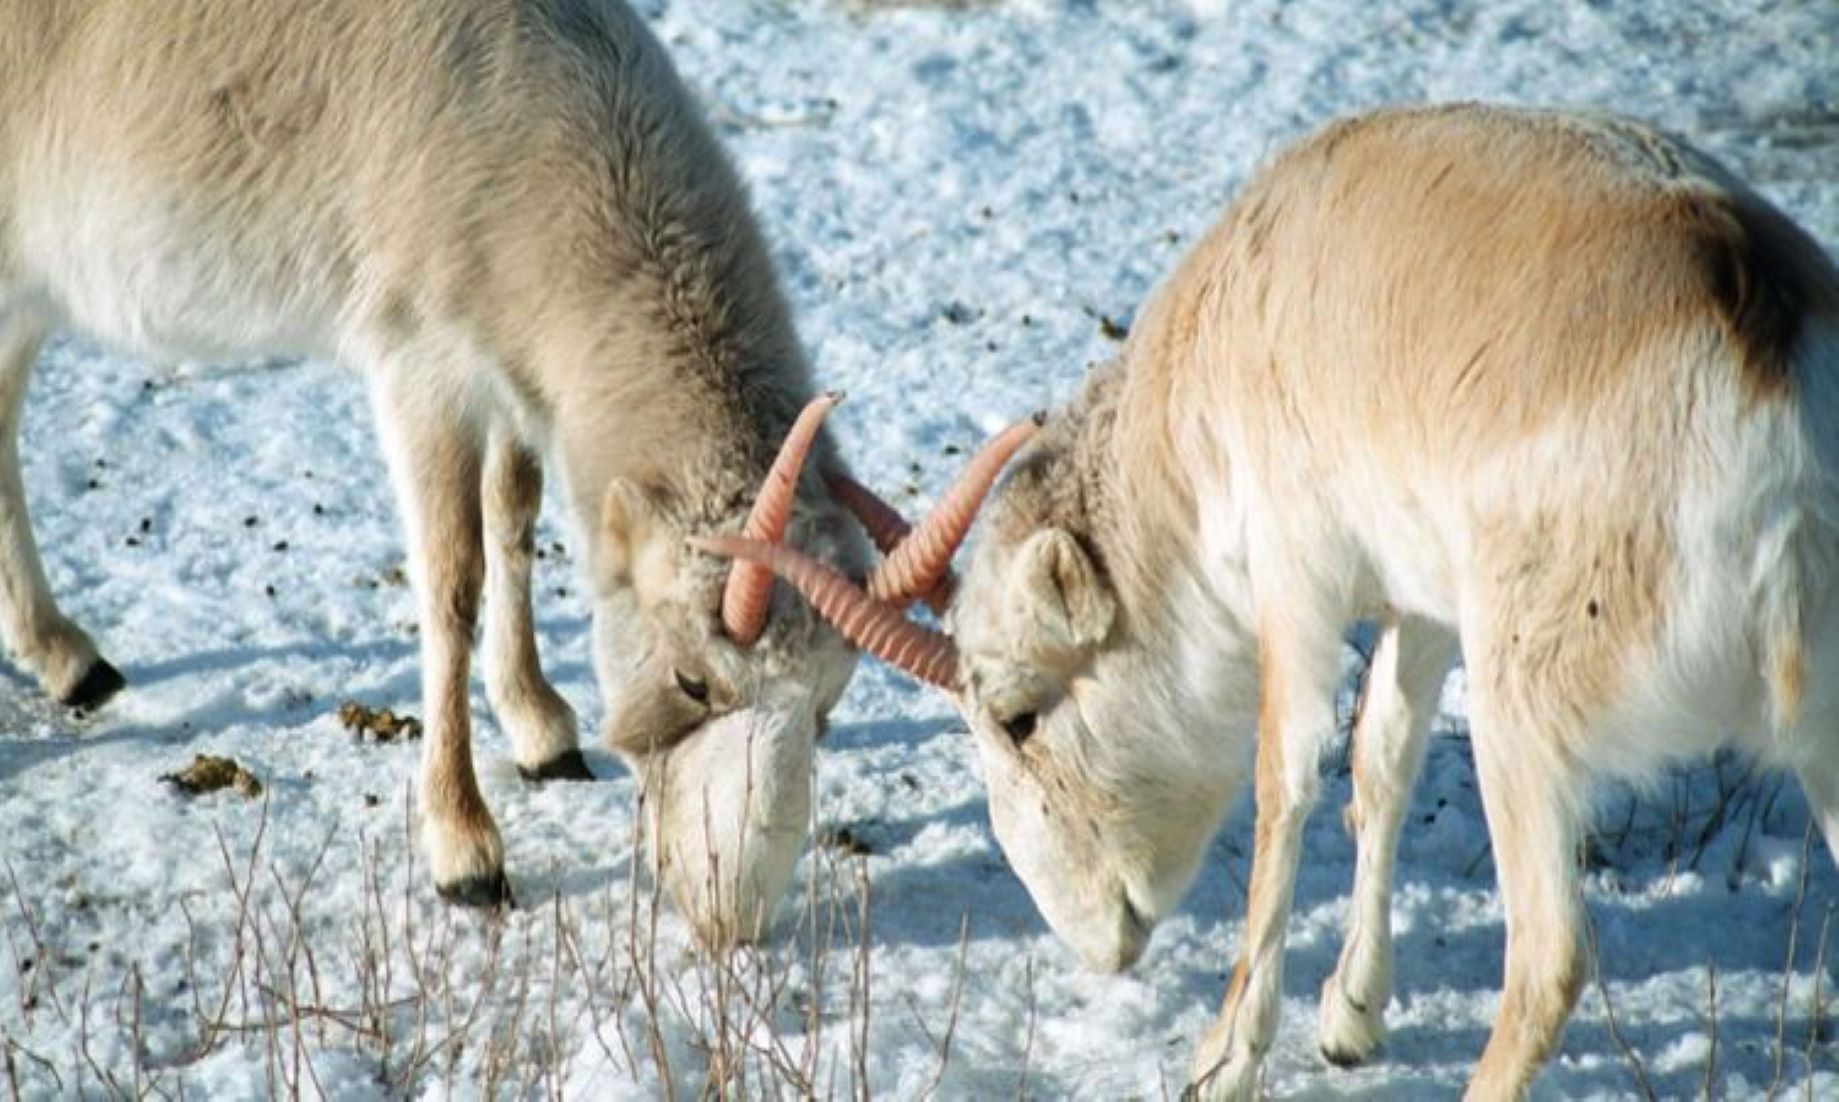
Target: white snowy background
{"points": [[963, 198]]}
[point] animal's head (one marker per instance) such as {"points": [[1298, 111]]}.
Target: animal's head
{"points": [[1104, 818], [717, 688]]}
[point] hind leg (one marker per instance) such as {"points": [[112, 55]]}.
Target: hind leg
{"points": [[54, 648], [539, 722], [1531, 801], [1388, 752], [1819, 779]]}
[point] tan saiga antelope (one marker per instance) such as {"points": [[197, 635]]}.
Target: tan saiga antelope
{"points": [[508, 216], [1554, 389]]}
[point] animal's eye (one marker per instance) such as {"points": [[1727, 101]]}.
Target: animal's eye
{"points": [[1020, 726], [692, 688]]}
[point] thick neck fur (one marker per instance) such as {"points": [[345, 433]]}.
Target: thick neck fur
{"points": [[675, 363]]}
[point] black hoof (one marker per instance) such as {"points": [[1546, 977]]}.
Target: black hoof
{"points": [[1343, 1057], [492, 891], [98, 685], [566, 766]]}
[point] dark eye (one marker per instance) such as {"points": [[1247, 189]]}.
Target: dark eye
{"points": [[1020, 726], [692, 688]]}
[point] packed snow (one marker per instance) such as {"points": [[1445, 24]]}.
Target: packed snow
{"points": [[967, 200]]}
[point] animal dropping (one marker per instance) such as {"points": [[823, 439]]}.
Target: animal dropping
{"points": [[208, 773], [377, 724]]}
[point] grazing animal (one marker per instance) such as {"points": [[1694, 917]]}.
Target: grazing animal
{"points": [[1551, 388], [509, 218]]}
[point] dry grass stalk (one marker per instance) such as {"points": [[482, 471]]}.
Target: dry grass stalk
{"points": [[1636, 1068]]}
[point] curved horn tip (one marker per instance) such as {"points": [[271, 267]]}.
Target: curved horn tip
{"points": [[826, 401]]}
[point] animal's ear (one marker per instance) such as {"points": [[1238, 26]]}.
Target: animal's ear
{"points": [[1062, 604], [627, 519]]}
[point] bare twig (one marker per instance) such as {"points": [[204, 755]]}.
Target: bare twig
{"points": [[1794, 938], [1021, 1085], [1609, 1016], [1711, 1020], [14, 1048], [41, 958], [860, 983], [1816, 1025], [103, 1075], [951, 1018]]}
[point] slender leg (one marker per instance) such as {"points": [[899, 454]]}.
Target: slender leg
{"points": [[1820, 781], [1300, 666], [436, 462], [539, 722], [1388, 752], [1534, 827], [42, 638]]}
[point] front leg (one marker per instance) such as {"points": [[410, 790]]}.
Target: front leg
{"points": [[1388, 752], [436, 460], [1300, 665], [43, 639], [539, 722]]}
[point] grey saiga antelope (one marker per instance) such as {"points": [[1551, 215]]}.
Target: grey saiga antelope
{"points": [[1555, 390], [508, 217]]}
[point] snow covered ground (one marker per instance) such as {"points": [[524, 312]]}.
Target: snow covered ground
{"points": [[964, 198]]}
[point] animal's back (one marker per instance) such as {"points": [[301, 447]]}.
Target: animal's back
{"points": [[303, 169], [1473, 274], [170, 155]]}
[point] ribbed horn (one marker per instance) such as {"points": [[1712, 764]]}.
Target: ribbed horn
{"points": [[885, 526], [750, 585], [886, 529], [924, 558], [867, 623]]}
